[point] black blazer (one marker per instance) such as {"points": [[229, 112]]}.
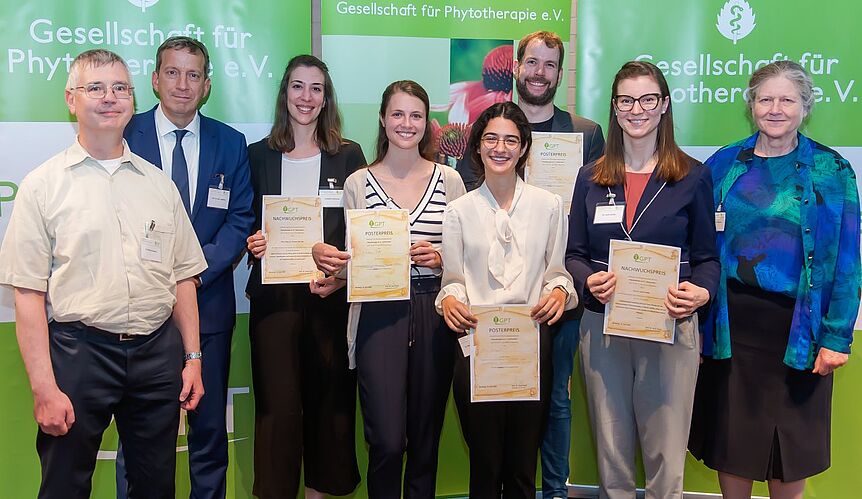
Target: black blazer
{"points": [[266, 179]]}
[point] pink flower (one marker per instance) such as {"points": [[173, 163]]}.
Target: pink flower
{"points": [[467, 99], [451, 139]]}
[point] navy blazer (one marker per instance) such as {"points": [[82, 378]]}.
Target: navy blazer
{"points": [[266, 179], [221, 233], [681, 214], [594, 143]]}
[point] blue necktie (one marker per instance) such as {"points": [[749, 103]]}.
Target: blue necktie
{"points": [[180, 170]]}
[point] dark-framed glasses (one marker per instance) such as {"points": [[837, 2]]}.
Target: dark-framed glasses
{"points": [[100, 90], [491, 140], [625, 103]]}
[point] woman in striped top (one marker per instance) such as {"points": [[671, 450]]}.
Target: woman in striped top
{"points": [[402, 350]]}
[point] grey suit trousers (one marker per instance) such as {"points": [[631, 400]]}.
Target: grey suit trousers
{"points": [[640, 390]]}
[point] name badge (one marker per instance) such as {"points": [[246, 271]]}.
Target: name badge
{"points": [[609, 213], [332, 198], [151, 250], [720, 218], [466, 343], [218, 198]]}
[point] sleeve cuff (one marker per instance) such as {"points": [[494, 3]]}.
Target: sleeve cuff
{"points": [[836, 343], [456, 290], [567, 286], [24, 282]]}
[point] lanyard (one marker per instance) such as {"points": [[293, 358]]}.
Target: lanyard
{"points": [[611, 196]]}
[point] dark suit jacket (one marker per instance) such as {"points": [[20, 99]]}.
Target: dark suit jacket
{"points": [[679, 214], [266, 179], [594, 143], [221, 233]]}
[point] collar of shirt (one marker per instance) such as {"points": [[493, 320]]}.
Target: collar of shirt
{"points": [[491, 201], [76, 154], [164, 127]]}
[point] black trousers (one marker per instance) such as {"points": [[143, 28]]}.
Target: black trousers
{"points": [[404, 355], [207, 437], [504, 437], [305, 395], [138, 382]]}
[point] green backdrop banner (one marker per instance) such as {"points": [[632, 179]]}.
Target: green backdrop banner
{"points": [[461, 52], [708, 50], [249, 43]]}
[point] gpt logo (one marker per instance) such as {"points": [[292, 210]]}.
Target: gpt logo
{"points": [[549, 146], [501, 321], [7, 193], [375, 225], [143, 4], [640, 258], [736, 20], [289, 209]]}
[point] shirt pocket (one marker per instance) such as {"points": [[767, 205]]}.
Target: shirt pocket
{"points": [[164, 234]]}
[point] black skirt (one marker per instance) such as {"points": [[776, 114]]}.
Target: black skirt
{"points": [[754, 416]]}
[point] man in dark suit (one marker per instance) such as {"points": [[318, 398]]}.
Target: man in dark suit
{"points": [[538, 72], [208, 162]]}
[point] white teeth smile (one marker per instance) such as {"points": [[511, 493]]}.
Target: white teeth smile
{"points": [[405, 135], [304, 109]]}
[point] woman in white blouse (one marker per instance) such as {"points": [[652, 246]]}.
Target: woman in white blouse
{"points": [[503, 243], [401, 349]]}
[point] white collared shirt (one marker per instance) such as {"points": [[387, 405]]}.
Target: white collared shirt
{"points": [[191, 147]]}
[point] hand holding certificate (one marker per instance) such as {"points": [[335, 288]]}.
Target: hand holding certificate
{"points": [[554, 161], [292, 225], [504, 362], [644, 272], [379, 266]]}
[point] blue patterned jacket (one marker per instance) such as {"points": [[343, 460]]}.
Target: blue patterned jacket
{"points": [[827, 299]]}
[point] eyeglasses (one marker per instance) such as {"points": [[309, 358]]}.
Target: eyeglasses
{"points": [[626, 103], [490, 141], [99, 90]]}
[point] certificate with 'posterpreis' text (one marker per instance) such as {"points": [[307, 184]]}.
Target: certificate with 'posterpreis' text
{"points": [[504, 363], [379, 246], [554, 161], [644, 273], [292, 225]]}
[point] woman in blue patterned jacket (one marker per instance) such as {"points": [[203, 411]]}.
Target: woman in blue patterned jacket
{"points": [[787, 219]]}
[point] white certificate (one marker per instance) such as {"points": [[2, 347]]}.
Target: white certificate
{"points": [[504, 362], [644, 273], [292, 225], [554, 161], [379, 246]]}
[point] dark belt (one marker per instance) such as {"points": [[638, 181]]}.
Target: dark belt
{"points": [[107, 335]]}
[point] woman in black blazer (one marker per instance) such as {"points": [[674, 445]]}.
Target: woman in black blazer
{"points": [[305, 395]]}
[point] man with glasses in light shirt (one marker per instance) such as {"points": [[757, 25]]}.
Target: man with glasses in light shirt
{"points": [[102, 258], [208, 162]]}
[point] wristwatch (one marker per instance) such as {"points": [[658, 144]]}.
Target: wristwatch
{"points": [[193, 355]]}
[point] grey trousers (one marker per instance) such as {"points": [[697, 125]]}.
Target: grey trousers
{"points": [[639, 389]]}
